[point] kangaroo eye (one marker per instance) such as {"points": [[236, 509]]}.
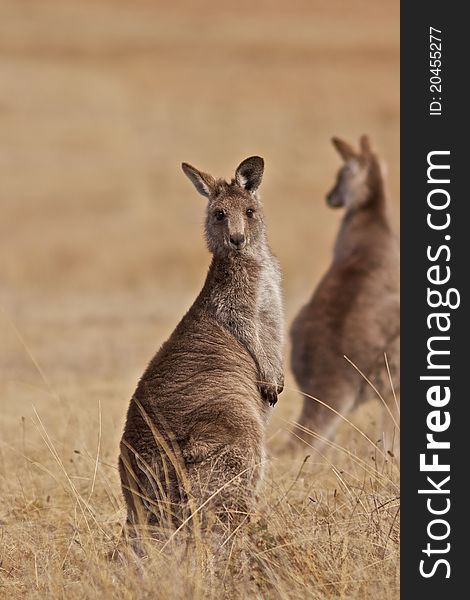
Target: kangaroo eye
{"points": [[219, 215], [249, 212]]}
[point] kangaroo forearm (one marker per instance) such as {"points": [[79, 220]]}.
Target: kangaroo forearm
{"points": [[271, 341], [255, 347]]}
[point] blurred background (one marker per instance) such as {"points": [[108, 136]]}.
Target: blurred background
{"points": [[101, 245]]}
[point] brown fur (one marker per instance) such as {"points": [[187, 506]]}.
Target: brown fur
{"points": [[196, 422], [354, 311]]}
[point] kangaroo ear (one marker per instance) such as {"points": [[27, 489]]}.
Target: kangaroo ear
{"points": [[345, 150], [249, 173], [203, 182], [365, 146]]}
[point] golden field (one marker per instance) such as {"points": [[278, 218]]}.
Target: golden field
{"points": [[101, 253]]}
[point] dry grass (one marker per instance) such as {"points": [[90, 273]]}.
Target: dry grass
{"points": [[101, 253], [326, 526]]}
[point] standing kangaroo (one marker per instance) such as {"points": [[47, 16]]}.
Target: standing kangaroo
{"points": [[354, 311], [194, 435]]}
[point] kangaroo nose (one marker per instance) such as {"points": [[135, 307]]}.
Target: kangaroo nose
{"points": [[237, 240]]}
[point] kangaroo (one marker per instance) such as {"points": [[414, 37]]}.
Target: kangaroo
{"points": [[196, 423], [354, 311]]}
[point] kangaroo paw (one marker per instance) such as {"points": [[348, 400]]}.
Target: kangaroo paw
{"points": [[269, 393]]}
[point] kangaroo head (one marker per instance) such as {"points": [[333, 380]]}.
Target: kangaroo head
{"points": [[234, 217], [358, 178]]}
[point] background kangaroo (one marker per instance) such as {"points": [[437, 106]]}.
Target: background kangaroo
{"points": [[197, 419], [354, 311]]}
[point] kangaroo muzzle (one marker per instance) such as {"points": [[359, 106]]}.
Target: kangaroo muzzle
{"points": [[237, 241]]}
